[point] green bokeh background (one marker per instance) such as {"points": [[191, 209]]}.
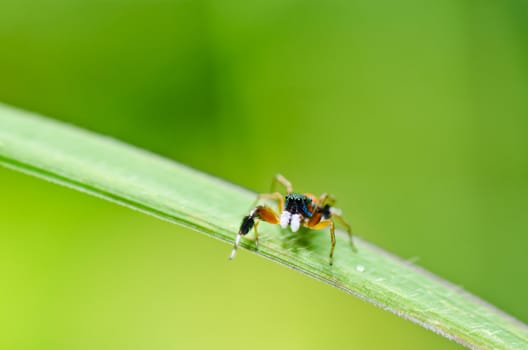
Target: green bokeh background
{"points": [[415, 115]]}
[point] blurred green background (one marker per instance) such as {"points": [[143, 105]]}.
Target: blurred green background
{"points": [[414, 115]]}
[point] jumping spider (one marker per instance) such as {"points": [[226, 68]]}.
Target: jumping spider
{"points": [[295, 210]]}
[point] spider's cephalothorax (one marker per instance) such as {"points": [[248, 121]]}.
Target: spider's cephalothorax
{"points": [[295, 210]]}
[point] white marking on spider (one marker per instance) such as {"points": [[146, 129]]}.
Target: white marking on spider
{"points": [[285, 218], [295, 222], [335, 211], [237, 242]]}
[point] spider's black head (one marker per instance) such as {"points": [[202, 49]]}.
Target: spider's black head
{"points": [[298, 204]]}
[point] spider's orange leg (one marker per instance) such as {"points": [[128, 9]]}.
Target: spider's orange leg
{"points": [[325, 198], [323, 224], [275, 196], [283, 181], [261, 212], [348, 229], [256, 233]]}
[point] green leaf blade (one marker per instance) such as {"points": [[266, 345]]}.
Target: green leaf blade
{"points": [[121, 173]]}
